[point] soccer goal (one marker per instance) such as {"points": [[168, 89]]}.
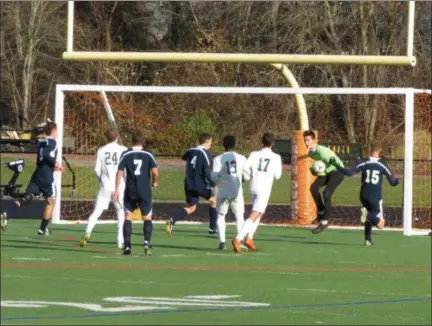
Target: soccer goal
{"points": [[84, 112]]}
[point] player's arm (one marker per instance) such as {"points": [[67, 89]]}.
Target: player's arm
{"points": [[217, 167], [206, 168], [98, 166], [185, 156], [49, 153], [278, 171], [154, 172], [389, 175], [348, 172], [119, 177], [247, 169]]}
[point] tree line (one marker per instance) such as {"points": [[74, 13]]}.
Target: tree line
{"points": [[33, 37]]}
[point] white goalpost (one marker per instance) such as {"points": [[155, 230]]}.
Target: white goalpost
{"points": [[408, 93]]}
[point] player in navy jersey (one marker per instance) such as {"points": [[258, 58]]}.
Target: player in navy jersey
{"points": [[373, 169], [198, 183], [136, 165], [42, 179]]}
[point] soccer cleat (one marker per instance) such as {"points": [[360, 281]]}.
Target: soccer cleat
{"points": [[212, 231], [319, 217], [236, 245], [243, 247], [46, 233], [120, 245], [169, 227], [84, 240], [321, 227], [147, 250], [222, 246], [368, 243], [363, 216], [127, 251], [250, 244]]}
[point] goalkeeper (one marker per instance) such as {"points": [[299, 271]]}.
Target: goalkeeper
{"points": [[331, 178]]}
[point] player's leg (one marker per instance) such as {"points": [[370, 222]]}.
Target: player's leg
{"points": [[222, 205], [374, 218], [259, 204], [10, 210], [334, 179], [237, 206], [192, 199], [49, 193], [146, 212], [102, 203], [120, 213], [316, 195], [210, 196], [130, 204]]}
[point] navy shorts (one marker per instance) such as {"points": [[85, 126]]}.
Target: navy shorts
{"points": [[374, 209], [134, 201], [193, 195], [38, 189]]}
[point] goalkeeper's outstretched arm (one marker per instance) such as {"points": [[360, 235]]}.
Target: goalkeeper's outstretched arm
{"points": [[348, 172]]}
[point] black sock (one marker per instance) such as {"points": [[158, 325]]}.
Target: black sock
{"points": [[179, 216], [43, 225], [127, 232], [368, 231], [148, 229], [213, 218]]}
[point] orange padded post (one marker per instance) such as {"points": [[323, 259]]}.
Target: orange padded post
{"points": [[303, 208]]}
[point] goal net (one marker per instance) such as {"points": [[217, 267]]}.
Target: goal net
{"points": [[84, 112]]}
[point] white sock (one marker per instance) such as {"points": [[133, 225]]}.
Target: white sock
{"points": [[245, 229], [92, 220], [120, 221], [325, 222], [221, 227], [239, 223], [254, 228]]}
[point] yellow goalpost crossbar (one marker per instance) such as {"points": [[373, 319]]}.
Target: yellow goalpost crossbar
{"points": [[408, 60]]}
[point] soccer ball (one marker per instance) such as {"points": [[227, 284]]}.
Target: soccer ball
{"points": [[318, 167]]}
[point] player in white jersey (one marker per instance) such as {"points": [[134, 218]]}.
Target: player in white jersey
{"points": [[228, 175], [107, 160], [262, 168]]}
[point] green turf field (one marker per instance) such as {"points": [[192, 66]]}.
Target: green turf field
{"points": [[171, 187], [294, 278]]}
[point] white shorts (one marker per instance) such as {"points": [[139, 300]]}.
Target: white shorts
{"points": [[260, 202], [104, 198], [236, 204]]}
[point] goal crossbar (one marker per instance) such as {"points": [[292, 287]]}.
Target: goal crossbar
{"points": [[409, 119]]}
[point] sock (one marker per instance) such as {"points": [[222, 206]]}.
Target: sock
{"points": [[239, 223], [92, 220], [43, 225], [147, 229], [127, 232], [245, 230], [254, 228], [120, 222], [179, 216], [213, 218], [368, 231], [324, 222], [221, 224]]}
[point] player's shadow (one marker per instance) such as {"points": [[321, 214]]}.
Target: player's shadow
{"points": [[182, 247], [327, 243], [41, 248]]}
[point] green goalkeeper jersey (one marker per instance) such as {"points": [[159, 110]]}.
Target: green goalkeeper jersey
{"points": [[322, 153]]}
